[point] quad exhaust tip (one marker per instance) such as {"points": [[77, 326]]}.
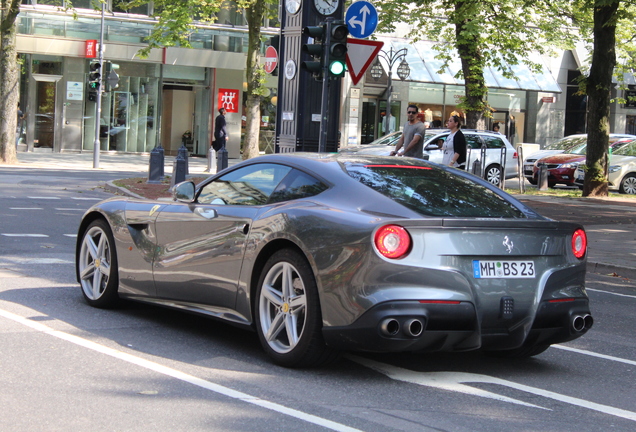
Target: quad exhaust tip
{"points": [[582, 322], [390, 327], [412, 327]]}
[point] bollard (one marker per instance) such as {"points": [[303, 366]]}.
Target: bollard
{"points": [[183, 152], [221, 159], [178, 171], [476, 169], [155, 168], [542, 176], [163, 158], [211, 158]]}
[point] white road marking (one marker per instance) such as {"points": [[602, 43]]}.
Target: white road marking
{"points": [[26, 208], [23, 235], [45, 198], [20, 260], [70, 235], [69, 209], [613, 293], [454, 381], [174, 373], [87, 199], [593, 354]]}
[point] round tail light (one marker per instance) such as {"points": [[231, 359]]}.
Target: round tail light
{"points": [[579, 243], [393, 241]]}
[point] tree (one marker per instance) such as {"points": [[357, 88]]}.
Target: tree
{"points": [[484, 33], [9, 81], [176, 22], [609, 16]]}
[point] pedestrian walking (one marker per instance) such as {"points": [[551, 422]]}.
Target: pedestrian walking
{"points": [[220, 131], [411, 143], [454, 147]]}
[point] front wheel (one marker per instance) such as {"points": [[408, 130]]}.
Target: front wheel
{"points": [[97, 265], [628, 184], [288, 318], [493, 174]]}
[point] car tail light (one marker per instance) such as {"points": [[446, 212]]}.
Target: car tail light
{"points": [[579, 243], [515, 156], [393, 241]]}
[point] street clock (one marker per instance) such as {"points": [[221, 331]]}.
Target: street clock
{"points": [[326, 7]]}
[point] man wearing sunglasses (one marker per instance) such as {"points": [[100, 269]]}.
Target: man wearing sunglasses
{"points": [[412, 138]]}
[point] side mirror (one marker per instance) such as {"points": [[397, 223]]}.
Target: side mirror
{"points": [[183, 192]]}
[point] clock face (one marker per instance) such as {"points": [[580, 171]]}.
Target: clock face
{"points": [[292, 6], [326, 7]]}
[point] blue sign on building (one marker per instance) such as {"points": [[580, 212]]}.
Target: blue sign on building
{"points": [[361, 19]]}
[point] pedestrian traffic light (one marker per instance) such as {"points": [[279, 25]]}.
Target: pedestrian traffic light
{"points": [[316, 50], [337, 48], [94, 76]]}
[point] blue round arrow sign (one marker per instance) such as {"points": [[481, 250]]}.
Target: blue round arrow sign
{"points": [[361, 19]]}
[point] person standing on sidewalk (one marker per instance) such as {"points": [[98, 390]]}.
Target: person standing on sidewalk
{"points": [[220, 130], [412, 138], [454, 147]]}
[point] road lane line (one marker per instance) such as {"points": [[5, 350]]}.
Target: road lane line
{"points": [[45, 198], [69, 209], [87, 199], [70, 235], [23, 235], [609, 292], [26, 208], [593, 354], [454, 381], [174, 373]]}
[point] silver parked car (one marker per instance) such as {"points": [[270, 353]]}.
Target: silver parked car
{"points": [[320, 253], [498, 150], [622, 170]]}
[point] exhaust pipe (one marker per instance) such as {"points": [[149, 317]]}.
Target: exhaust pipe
{"points": [[589, 321], [413, 327], [390, 327], [578, 323]]}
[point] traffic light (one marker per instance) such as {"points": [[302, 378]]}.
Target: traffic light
{"points": [[94, 76], [337, 48], [314, 49]]}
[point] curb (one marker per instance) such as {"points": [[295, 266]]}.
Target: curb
{"points": [[612, 270], [110, 187]]}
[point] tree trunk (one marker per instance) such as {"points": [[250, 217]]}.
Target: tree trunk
{"points": [[9, 82], [472, 68], [254, 75], [598, 89]]}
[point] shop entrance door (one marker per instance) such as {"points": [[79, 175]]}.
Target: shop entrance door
{"points": [[368, 120], [44, 135]]}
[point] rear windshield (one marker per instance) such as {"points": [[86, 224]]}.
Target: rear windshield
{"points": [[433, 192]]}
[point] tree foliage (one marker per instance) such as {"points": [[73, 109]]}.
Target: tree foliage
{"points": [[484, 33]]}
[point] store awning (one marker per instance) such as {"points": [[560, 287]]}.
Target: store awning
{"points": [[427, 69]]}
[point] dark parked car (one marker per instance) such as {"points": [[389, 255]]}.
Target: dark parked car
{"points": [[320, 253]]}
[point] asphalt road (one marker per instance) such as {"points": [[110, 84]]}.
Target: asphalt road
{"points": [[66, 366]]}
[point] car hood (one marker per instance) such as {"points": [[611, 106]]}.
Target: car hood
{"points": [[541, 154], [563, 158]]}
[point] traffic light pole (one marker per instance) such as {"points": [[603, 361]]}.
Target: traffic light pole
{"points": [[326, 79], [98, 104]]}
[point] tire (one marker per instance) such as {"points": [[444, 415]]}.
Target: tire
{"points": [[97, 266], [519, 353], [287, 310], [628, 184], [532, 181], [493, 174]]}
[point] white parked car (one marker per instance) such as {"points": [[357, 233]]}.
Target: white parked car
{"points": [[622, 170], [475, 139], [560, 146]]}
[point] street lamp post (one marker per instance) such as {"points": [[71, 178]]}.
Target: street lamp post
{"points": [[403, 71]]}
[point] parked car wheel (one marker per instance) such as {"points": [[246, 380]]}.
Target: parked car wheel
{"points": [[532, 181], [288, 317], [521, 352], [493, 174], [628, 184], [97, 265]]}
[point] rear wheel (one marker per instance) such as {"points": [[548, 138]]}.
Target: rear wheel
{"points": [[532, 181], [97, 265], [493, 174], [519, 353], [628, 184], [288, 317]]}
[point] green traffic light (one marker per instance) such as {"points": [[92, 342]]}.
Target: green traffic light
{"points": [[337, 68]]}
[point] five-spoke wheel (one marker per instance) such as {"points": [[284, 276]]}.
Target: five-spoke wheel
{"points": [[628, 184], [97, 265], [493, 174], [288, 318]]}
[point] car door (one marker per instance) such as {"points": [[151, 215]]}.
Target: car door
{"points": [[201, 245], [433, 148]]}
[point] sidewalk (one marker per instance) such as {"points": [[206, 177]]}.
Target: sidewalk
{"points": [[610, 223]]}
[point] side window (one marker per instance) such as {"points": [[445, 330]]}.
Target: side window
{"points": [[472, 141], [436, 143], [297, 185], [493, 142], [250, 185]]}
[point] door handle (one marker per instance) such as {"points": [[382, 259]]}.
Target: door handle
{"points": [[206, 212]]}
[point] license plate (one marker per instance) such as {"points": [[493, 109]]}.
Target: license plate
{"points": [[580, 175], [503, 269]]}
